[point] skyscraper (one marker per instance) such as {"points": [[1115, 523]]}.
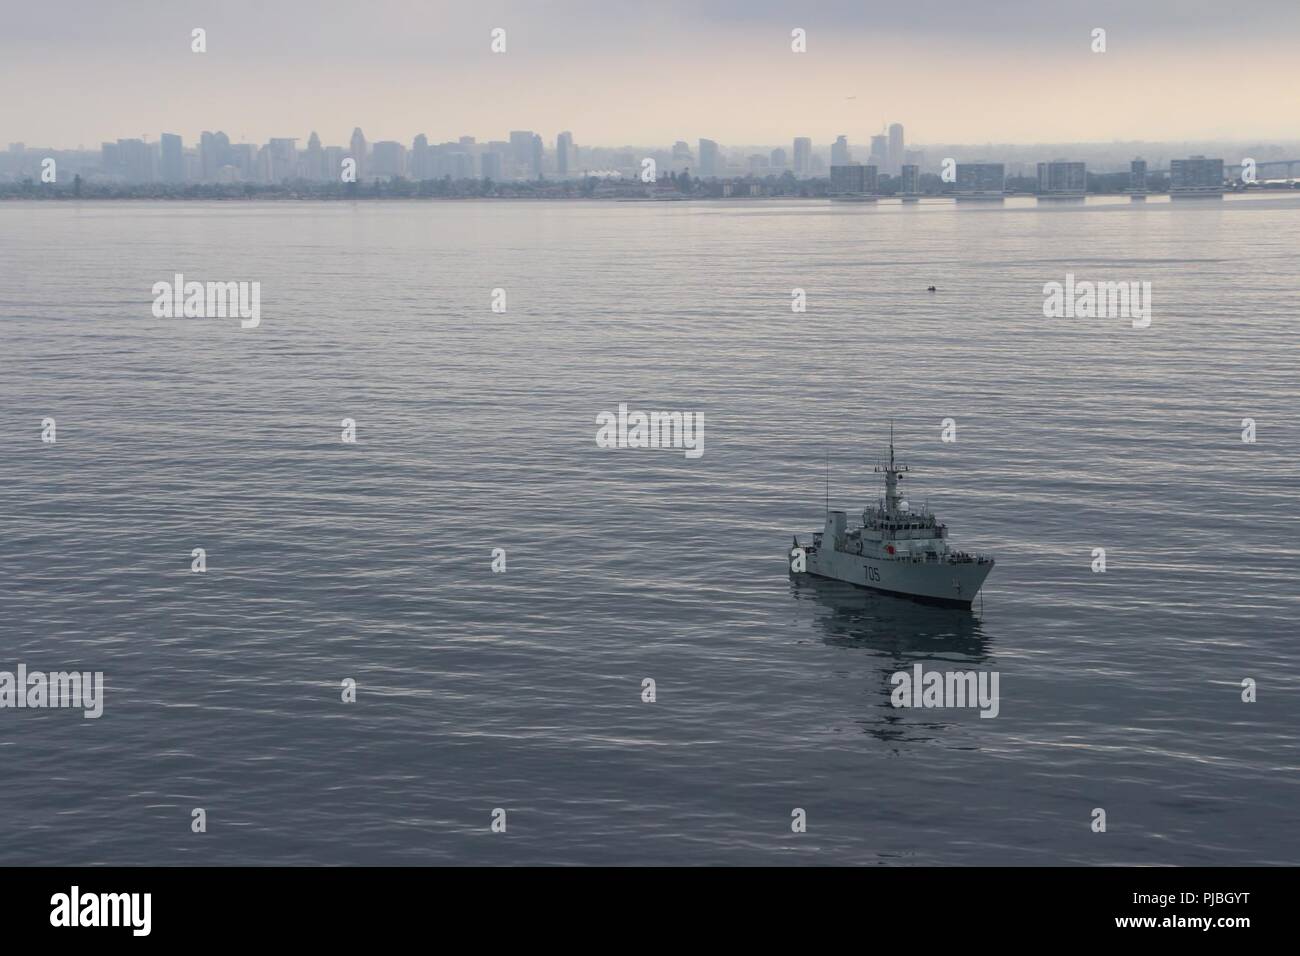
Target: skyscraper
{"points": [[242, 160], [1137, 176], [802, 155], [1062, 180], [564, 157], [334, 156], [880, 150], [388, 159], [172, 159], [539, 156], [313, 160], [1196, 177], [214, 152], [895, 149], [840, 151], [521, 151], [708, 158], [490, 165], [358, 152], [849, 178], [136, 160], [110, 159], [417, 162], [284, 158], [777, 160], [911, 179]]}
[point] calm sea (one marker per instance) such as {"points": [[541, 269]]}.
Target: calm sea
{"points": [[522, 690]]}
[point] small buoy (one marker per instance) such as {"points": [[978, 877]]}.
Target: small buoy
{"points": [[932, 289]]}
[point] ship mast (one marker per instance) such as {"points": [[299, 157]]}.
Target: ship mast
{"points": [[892, 472]]}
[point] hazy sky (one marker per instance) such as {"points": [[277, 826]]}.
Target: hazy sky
{"points": [[82, 71]]}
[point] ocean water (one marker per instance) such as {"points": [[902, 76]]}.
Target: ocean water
{"points": [[522, 690]]}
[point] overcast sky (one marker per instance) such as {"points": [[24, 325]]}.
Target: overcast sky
{"points": [[974, 71]]}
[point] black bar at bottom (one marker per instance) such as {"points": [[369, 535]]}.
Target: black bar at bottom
{"points": [[354, 905]]}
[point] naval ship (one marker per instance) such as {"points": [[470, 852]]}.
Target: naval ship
{"points": [[895, 550]]}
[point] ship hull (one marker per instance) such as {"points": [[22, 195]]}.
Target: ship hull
{"points": [[938, 583]]}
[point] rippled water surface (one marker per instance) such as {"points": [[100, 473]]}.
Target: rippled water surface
{"points": [[476, 431]]}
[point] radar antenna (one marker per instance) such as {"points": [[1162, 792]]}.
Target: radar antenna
{"points": [[893, 473]]}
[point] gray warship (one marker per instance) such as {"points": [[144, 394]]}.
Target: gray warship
{"points": [[895, 550]]}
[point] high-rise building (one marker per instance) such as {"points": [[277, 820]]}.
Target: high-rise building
{"points": [[1196, 177], [283, 159], [334, 156], [242, 159], [502, 149], [564, 158], [854, 179], [214, 152], [263, 168], [357, 151], [848, 179], [981, 181], [521, 151], [709, 165], [109, 159], [526, 153], [840, 155], [171, 158], [802, 155], [910, 175], [538, 157], [419, 160], [682, 159], [388, 158], [895, 149], [777, 160], [313, 160], [136, 160], [880, 151], [490, 165], [1062, 180], [462, 164], [1137, 176]]}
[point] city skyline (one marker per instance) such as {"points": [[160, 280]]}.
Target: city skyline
{"points": [[1018, 74], [860, 142], [524, 155]]}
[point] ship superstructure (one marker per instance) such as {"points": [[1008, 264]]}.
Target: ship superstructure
{"points": [[895, 549]]}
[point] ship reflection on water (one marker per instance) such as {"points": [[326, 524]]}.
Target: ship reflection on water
{"points": [[850, 616], [897, 633]]}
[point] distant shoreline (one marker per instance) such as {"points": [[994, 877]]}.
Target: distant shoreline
{"points": [[938, 199]]}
